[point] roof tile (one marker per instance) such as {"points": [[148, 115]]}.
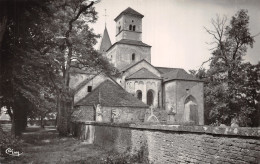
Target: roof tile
{"points": [[129, 11], [110, 94], [105, 42], [130, 42], [175, 74], [143, 74]]}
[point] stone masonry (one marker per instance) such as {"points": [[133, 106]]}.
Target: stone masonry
{"points": [[181, 144]]}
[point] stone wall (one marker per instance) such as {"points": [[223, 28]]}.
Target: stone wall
{"points": [[181, 144], [143, 86], [124, 32], [77, 78], [176, 93], [121, 54], [119, 114], [123, 114], [94, 82]]}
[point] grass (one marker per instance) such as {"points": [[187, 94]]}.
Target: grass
{"points": [[41, 146]]}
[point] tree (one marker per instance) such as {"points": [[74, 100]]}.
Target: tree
{"points": [[22, 66], [75, 40], [225, 99], [40, 41]]}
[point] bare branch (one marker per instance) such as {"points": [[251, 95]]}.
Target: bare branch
{"points": [[205, 62], [256, 35], [211, 33]]}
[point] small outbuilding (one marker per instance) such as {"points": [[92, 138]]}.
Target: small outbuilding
{"points": [[109, 102]]}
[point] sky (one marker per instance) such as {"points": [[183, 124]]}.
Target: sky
{"points": [[175, 28]]}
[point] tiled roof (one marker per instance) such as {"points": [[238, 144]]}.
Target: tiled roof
{"points": [[110, 94], [143, 74], [130, 42], [165, 69], [129, 66], [105, 42], [133, 64], [129, 11], [133, 42], [175, 74]]}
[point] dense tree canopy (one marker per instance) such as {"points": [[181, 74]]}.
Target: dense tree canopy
{"points": [[39, 41], [232, 87]]}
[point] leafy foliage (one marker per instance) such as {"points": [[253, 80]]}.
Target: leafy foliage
{"points": [[7, 141], [42, 42], [232, 87]]}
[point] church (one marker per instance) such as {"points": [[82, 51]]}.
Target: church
{"points": [[141, 86]]}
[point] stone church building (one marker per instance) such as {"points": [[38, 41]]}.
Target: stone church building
{"points": [[170, 90]]}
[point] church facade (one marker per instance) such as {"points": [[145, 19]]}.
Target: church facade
{"points": [[170, 90]]}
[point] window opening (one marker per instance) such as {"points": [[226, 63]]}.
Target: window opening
{"points": [[130, 27], [89, 88], [139, 95], [133, 57]]}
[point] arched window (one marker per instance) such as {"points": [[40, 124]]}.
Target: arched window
{"points": [[130, 27], [150, 97], [133, 57], [134, 28], [139, 94], [191, 110], [119, 28]]}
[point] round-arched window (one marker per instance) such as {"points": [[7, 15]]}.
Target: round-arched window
{"points": [[150, 97], [133, 57], [139, 94], [130, 27]]}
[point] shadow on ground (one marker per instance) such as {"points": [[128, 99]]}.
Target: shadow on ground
{"points": [[41, 146]]}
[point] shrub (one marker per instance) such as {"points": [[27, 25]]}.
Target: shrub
{"points": [[7, 141]]}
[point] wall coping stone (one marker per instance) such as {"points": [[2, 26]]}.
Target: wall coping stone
{"points": [[253, 132]]}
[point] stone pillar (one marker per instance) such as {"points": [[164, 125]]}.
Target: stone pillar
{"points": [[144, 99]]}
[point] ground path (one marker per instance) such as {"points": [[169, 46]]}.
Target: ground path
{"points": [[41, 146]]}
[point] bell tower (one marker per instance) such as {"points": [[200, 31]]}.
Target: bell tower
{"points": [[129, 25], [128, 48]]}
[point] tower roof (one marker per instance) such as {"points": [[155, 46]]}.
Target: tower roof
{"points": [[129, 11], [105, 42], [129, 42]]}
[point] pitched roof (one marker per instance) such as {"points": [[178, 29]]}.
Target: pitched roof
{"points": [[143, 74], [105, 42], [133, 64], [129, 42], [175, 74], [129, 11], [84, 82], [130, 65], [112, 95], [164, 69]]}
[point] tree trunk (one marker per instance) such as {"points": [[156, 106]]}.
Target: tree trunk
{"points": [[63, 110], [3, 23], [16, 123], [10, 113], [42, 121]]}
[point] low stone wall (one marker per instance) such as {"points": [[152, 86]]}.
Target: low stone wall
{"points": [[179, 144]]}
